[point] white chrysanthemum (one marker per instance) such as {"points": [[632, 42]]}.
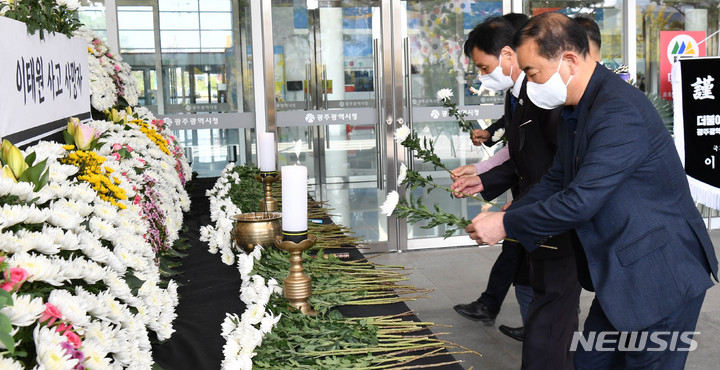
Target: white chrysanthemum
{"points": [[164, 328], [112, 310], [10, 364], [23, 190], [105, 211], [101, 229], [253, 314], [118, 287], [39, 268], [73, 309], [268, 322], [249, 338], [55, 190], [69, 241], [70, 4], [231, 350], [248, 296], [237, 362], [24, 311], [40, 242], [35, 215], [83, 193], [257, 252], [50, 354], [403, 174], [64, 218], [228, 257], [5, 185], [245, 264], [93, 248], [444, 94], [60, 172], [12, 215], [10, 243], [498, 135], [95, 354], [402, 133], [50, 150], [92, 272], [388, 207], [229, 324]]}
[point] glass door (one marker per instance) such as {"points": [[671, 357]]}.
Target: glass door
{"points": [[326, 58], [433, 38], [192, 61]]}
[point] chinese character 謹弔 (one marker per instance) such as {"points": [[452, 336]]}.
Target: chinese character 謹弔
{"points": [[702, 88]]}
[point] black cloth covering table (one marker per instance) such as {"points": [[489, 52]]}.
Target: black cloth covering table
{"points": [[209, 289]]}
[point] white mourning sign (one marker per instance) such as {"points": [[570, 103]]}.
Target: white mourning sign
{"points": [[41, 81]]}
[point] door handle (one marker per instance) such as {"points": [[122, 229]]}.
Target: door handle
{"points": [[408, 99], [306, 87], [325, 86], [379, 128], [327, 136]]}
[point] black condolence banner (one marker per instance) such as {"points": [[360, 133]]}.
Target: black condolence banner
{"points": [[700, 83]]}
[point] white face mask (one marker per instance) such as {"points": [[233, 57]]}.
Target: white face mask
{"points": [[552, 93], [496, 80]]}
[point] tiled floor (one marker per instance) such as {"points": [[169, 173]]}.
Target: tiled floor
{"points": [[459, 275]]}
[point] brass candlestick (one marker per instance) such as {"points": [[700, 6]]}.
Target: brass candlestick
{"points": [[297, 286], [268, 204]]}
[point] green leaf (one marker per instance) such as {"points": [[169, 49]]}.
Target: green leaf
{"points": [[7, 340], [5, 298], [172, 253], [43, 181], [5, 325], [30, 158], [133, 282], [35, 172], [69, 139]]}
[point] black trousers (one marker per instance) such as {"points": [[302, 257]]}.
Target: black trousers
{"points": [[510, 267], [553, 312]]}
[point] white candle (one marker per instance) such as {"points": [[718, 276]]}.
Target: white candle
{"points": [[266, 151], [294, 198]]}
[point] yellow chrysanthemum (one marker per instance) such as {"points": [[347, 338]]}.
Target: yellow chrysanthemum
{"points": [[92, 172]]}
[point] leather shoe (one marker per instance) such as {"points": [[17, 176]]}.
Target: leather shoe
{"points": [[514, 333], [476, 311]]}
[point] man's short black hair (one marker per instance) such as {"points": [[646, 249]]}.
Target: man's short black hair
{"points": [[490, 36], [591, 27], [554, 34], [517, 19]]}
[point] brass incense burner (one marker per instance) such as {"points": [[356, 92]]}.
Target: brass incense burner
{"points": [[255, 228], [268, 203], [297, 286]]}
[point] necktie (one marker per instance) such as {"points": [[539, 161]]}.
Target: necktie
{"points": [[513, 103]]}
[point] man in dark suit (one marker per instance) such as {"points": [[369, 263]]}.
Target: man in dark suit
{"points": [[531, 138], [618, 181], [484, 46]]}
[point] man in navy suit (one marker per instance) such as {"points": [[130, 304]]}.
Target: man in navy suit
{"points": [[618, 181]]}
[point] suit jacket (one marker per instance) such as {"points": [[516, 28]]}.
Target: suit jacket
{"points": [[621, 185], [532, 140], [501, 122]]}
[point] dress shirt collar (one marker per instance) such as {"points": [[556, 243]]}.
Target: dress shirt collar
{"points": [[518, 84]]}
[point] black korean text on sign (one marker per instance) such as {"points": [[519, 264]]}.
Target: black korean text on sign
{"points": [[35, 79]]}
